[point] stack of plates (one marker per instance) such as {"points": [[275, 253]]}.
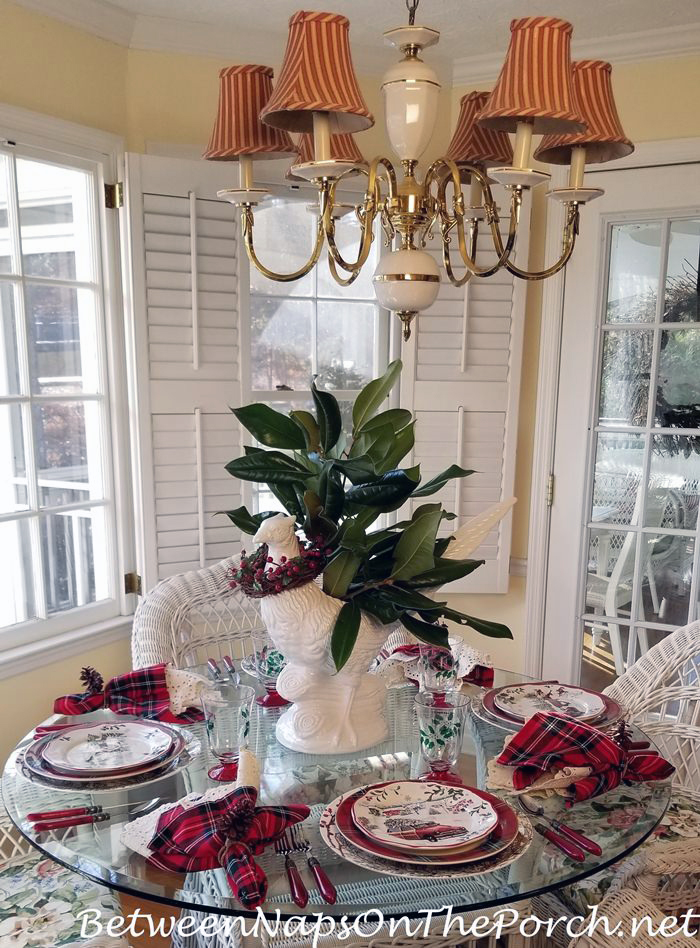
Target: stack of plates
{"points": [[413, 827], [107, 754], [511, 706]]}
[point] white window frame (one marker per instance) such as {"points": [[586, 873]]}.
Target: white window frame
{"points": [[25, 645]]}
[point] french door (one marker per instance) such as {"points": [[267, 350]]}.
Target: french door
{"points": [[624, 552]]}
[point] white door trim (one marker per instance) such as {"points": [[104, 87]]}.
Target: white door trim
{"points": [[647, 154]]}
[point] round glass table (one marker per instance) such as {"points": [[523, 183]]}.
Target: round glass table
{"points": [[619, 821]]}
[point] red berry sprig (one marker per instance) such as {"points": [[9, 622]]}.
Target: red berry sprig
{"points": [[257, 575]]}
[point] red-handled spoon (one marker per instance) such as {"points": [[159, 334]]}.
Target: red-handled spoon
{"points": [[63, 814], [325, 886], [583, 841], [70, 821]]}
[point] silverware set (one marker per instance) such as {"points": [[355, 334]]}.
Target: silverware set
{"points": [[294, 841], [574, 844]]}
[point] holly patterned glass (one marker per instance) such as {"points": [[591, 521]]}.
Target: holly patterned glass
{"points": [[441, 721], [227, 709], [438, 669]]}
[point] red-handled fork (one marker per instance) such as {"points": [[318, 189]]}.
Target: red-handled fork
{"points": [[297, 889]]}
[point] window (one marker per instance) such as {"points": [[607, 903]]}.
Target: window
{"points": [[312, 326], [57, 511]]}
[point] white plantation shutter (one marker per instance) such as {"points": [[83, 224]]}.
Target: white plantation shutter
{"points": [[462, 380], [186, 304]]}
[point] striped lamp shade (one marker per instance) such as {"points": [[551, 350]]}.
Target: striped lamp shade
{"points": [[243, 91], [343, 148], [604, 139], [535, 83], [317, 75], [474, 144]]}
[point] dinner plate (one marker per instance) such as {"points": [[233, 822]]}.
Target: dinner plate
{"points": [[502, 836], [338, 844], [423, 815], [612, 713], [110, 747], [38, 765], [524, 700]]}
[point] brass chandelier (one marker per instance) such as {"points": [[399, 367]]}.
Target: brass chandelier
{"points": [[539, 92]]}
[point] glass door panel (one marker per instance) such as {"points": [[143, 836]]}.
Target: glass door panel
{"points": [[642, 569]]}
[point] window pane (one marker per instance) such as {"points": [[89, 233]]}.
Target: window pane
{"points": [[346, 343], [54, 214], [9, 366], [617, 479], [624, 383], [280, 343], [74, 547], [13, 480], [283, 236], [61, 322], [635, 257], [674, 478], [678, 392], [682, 302], [347, 238], [16, 595], [667, 568], [611, 556], [6, 265], [69, 465]]}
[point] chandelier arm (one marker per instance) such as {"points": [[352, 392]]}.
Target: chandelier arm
{"points": [[370, 206], [569, 242], [342, 281], [247, 222], [447, 262]]}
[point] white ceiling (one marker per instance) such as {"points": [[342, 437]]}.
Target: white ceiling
{"points": [[472, 30]]}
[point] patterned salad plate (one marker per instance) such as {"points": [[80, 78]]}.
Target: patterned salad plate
{"points": [[502, 836], [522, 701], [109, 748], [423, 816], [420, 866]]}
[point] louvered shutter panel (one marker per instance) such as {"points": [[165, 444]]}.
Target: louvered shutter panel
{"points": [[186, 301], [462, 380]]}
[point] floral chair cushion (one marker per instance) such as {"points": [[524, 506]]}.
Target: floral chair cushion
{"points": [[681, 821], [40, 902]]}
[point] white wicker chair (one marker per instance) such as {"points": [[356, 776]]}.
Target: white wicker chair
{"points": [[35, 890], [661, 693], [635, 914], [189, 618]]}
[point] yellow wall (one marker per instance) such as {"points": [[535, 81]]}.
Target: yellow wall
{"points": [[55, 69]]}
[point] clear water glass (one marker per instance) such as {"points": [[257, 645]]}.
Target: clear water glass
{"points": [[227, 709], [438, 669], [441, 723]]}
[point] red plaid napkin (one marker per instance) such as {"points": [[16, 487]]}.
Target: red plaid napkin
{"points": [[479, 675], [227, 832], [142, 692], [554, 741]]}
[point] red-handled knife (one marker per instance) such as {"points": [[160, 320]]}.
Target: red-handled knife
{"points": [[325, 886], [583, 841]]}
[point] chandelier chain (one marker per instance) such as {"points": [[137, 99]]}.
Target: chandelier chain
{"points": [[412, 6]]}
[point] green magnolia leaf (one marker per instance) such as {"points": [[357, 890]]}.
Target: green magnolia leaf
{"points": [[267, 467], [246, 521], [400, 445], [444, 571], [377, 444], [331, 492], [409, 599], [309, 428], [270, 427], [414, 552], [398, 418], [373, 394], [338, 449], [358, 470], [438, 482], [340, 572], [329, 421], [288, 497], [427, 632], [374, 602], [352, 536], [392, 487], [494, 630], [344, 634]]}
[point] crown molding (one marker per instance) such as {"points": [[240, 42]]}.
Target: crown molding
{"points": [[625, 48], [92, 16]]}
